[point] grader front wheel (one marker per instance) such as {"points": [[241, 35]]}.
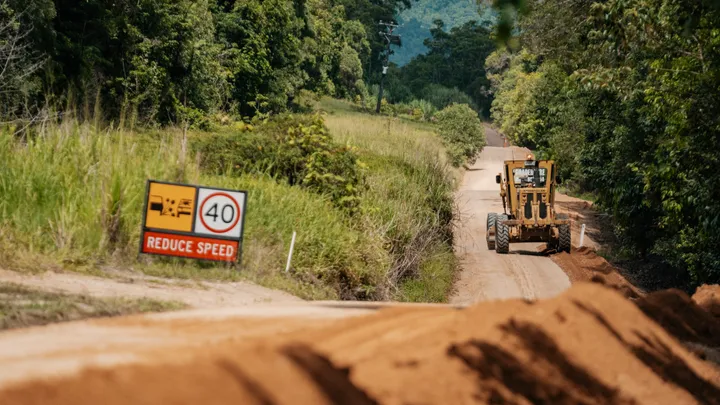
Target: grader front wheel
{"points": [[490, 232], [502, 235], [564, 238]]}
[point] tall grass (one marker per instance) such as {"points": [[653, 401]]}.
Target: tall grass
{"points": [[77, 192], [409, 200], [73, 195]]}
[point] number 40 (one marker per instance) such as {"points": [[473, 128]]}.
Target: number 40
{"points": [[224, 211]]}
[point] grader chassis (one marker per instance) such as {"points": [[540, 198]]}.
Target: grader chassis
{"points": [[527, 188]]}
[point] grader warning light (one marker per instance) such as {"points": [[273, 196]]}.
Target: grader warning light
{"points": [[528, 196]]}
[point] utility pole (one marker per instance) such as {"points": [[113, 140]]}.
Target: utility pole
{"points": [[390, 39]]}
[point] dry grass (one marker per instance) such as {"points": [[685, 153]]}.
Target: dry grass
{"points": [[22, 307], [409, 201]]}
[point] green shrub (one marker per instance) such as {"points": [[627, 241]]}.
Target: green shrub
{"points": [[462, 133], [296, 149], [426, 109], [441, 96], [306, 101]]}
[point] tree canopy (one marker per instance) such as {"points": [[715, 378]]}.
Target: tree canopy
{"points": [[173, 60], [455, 60], [418, 20], [624, 94]]}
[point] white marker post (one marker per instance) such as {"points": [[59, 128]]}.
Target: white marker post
{"points": [[582, 235], [292, 247]]}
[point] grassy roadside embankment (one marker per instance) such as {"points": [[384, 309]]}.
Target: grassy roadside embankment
{"points": [[23, 307], [409, 198], [72, 197]]}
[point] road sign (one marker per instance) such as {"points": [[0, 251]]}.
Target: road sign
{"points": [[194, 222], [190, 246], [170, 207], [219, 213]]}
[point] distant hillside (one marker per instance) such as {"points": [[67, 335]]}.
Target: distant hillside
{"points": [[418, 20]]}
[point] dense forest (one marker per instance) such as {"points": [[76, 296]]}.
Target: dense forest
{"points": [[164, 62], [417, 21], [452, 70], [168, 61], [624, 94]]}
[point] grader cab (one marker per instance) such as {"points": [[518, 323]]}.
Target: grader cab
{"points": [[527, 188]]}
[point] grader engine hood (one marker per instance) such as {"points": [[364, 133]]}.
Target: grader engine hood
{"points": [[533, 206], [528, 193]]}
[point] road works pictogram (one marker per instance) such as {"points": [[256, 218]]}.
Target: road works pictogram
{"points": [[194, 222], [170, 207]]}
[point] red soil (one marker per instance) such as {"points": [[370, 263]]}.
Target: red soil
{"points": [[590, 345], [708, 298], [584, 265]]}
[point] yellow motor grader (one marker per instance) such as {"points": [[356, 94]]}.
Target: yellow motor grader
{"points": [[527, 188]]}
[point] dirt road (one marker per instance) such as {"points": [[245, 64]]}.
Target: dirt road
{"points": [[486, 275], [589, 345], [195, 294]]}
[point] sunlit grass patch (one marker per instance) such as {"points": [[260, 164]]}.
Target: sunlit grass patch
{"points": [[22, 307]]}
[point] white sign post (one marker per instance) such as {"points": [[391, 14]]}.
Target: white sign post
{"points": [[292, 247]]}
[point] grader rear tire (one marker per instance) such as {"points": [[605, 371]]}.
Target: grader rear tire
{"points": [[565, 238], [502, 235], [491, 222]]}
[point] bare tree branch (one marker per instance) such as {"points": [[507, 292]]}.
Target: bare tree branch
{"points": [[18, 63]]}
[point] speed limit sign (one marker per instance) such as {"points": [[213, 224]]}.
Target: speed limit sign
{"points": [[220, 213], [193, 222]]}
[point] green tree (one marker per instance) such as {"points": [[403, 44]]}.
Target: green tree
{"points": [[369, 13], [18, 64], [462, 133], [178, 60], [418, 20], [624, 90], [455, 60], [149, 56]]}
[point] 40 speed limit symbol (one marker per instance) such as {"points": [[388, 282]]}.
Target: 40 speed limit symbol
{"points": [[220, 213]]}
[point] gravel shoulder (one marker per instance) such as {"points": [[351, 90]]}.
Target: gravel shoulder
{"points": [[193, 294]]}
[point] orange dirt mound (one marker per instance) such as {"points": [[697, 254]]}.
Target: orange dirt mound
{"points": [[588, 346], [585, 265], [681, 317], [708, 298]]}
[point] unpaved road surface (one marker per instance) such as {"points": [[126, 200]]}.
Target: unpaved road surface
{"points": [[486, 275], [194, 294], [65, 349], [588, 346]]}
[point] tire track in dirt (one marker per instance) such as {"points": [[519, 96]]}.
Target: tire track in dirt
{"points": [[205, 294], [522, 277]]}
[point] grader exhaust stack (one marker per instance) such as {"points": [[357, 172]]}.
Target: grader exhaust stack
{"points": [[527, 188]]}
